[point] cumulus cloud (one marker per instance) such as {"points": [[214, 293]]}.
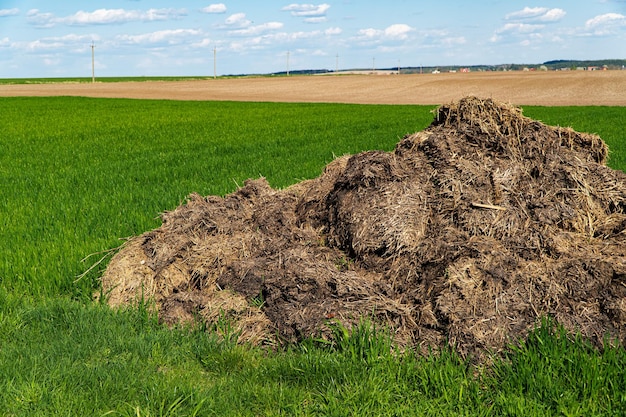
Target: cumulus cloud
{"points": [[515, 29], [204, 43], [396, 32], [71, 41], [307, 41], [605, 24], [257, 29], [519, 28], [553, 15], [37, 18], [102, 17], [170, 37], [9, 12], [238, 20], [526, 24], [215, 8], [537, 14], [238, 24], [307, 10], [610, 19]]}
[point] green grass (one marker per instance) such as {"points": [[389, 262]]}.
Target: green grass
{"points": [[84, 80], [77, 174], [87, 80], [63, 358]]}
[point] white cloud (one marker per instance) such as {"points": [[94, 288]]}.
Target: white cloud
{"points": [[515, 30], [605, 24], [257, 29], [606, 19], [519, 28], [170, 37], [239, 25], [537, 14], [306, 42], [307, 10], [9, 12], [237, 20], [204, 43], [553, 15], [35, 17], [370, 33], [215, 8], [297, 36], [103, 16], [526, 13], [5, 42], [396, 32], [71, 42], [333, 31]]}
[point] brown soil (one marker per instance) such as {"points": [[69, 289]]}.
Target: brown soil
{"points": [[469, 232], [520, 88]]}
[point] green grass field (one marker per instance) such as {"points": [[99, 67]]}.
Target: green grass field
{"points": [[84, 80], [78, 174]]}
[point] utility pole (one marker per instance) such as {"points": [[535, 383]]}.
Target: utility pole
{"points": [[214, 62], [398, 67], [93, 70], [287, 63], [374, 64]]}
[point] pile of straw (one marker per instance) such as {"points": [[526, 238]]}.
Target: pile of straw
{"points": [[468, 233]]}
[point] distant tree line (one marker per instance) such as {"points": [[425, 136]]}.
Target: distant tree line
{"points": [[608, 63], [554, 65], [562, 64]]}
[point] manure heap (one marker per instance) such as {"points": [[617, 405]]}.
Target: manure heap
{"points": [[468, 233]]}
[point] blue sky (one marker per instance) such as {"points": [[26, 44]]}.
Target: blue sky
{"points": [[43, 38]]}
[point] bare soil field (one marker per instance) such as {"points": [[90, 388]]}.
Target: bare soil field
{"points": [[518, 88]]}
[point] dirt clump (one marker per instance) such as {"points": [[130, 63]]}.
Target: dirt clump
{"points": [[468, 233]]}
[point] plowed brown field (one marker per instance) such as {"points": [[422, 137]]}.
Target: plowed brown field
{"points": [[519, 88]]}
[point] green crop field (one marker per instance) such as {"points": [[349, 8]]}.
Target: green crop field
{"points": [[89, 80], [78, 174]]}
